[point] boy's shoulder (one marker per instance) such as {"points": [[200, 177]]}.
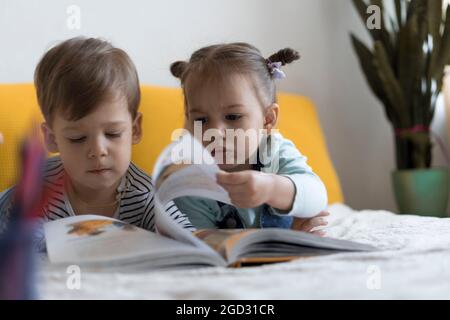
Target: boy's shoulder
{"points": [[53, 171], [139, 179], [53, 167]]}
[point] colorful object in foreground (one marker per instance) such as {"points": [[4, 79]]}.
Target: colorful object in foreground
{"points": [[16, 244], [29, 193]]}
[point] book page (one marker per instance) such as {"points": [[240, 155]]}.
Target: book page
{"points": [[177, 174], [90, 239], [169, 228], [256, 246], [185, 168], [223, 241]]}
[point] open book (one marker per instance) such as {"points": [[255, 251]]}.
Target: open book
{"points": [[105, 243]]}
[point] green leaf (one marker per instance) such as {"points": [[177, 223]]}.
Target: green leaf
{"points": [[434, 11], [415, 6], [390, 84], [361, 7], [437, 71], [365, 57], [434, 16], [418, 60], [376, 34], [399, 12]]}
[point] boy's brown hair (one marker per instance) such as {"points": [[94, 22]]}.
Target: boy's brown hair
{"points": [[77, 75]]}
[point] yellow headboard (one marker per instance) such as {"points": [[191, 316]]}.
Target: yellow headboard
{"points": [[163, 112]]}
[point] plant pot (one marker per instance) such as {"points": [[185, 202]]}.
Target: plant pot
{"points": [[422, 192]]}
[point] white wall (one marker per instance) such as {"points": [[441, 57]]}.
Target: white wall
{"points": [[156, 33]]}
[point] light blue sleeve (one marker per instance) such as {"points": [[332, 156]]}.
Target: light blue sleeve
{"points": [[310, 193], [202, 213]]}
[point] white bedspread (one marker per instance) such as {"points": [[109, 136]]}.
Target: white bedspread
{"points": [[414, 264]]}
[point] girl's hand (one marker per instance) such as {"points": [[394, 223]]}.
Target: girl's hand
{"points": [[1, 138], [308, 225], [247, 189]]}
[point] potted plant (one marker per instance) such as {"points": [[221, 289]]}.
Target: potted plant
{"points": [[405, 69]]}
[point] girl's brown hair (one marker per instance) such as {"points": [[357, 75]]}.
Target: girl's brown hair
{"points": [[78, 74], [241, 58]]}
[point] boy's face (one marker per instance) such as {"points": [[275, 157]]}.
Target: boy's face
{"points": [[230, 104], [95, 150]]}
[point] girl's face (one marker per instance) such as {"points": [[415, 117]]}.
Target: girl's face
{"points": [[227, 105]]}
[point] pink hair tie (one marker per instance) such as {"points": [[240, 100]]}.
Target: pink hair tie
{"points": [[275, 71]]}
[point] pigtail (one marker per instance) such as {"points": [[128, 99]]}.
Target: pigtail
{"points": [[285, 56], [178, 68]]}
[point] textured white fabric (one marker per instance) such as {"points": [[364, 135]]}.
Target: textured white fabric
{"points": [[414, 264]]}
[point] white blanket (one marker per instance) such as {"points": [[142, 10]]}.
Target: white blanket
{"points": [[414, 264]]}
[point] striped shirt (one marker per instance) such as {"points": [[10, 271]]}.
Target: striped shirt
{"points": [[135, 194]]}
